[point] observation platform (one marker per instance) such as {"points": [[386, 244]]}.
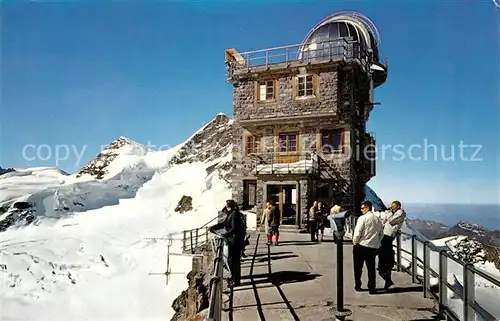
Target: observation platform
{"points": [[296, 280]]}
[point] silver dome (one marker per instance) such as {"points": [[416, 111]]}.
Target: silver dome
{"points": [[340, 27]]}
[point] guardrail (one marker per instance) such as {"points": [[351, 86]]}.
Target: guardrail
{"points": [[344, 49], [419, 258], [284, 163], [194, 238], [216, 282], [466, 292]]}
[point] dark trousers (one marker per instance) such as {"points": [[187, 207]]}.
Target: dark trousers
{"points": [[362, 255], [313, 227], [234, 262], [386, 257]]}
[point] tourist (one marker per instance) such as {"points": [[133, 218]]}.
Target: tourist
{"points": [[320, 220], [336, 214], [366, 242], [313, 226], [265, 221], [392, 221], [234, 238], [274, 222]]}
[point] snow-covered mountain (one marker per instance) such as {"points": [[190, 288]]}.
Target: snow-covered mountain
{"points": [[71, 242]]}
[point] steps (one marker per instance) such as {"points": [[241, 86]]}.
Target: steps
{"points": [[289, 228]]}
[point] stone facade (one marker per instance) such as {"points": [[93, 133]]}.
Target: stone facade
{"points": [[335, 105]]}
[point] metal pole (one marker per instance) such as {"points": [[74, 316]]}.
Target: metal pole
{"points": [[427, 283], [398, 252], [339, 310], [414, 264]]}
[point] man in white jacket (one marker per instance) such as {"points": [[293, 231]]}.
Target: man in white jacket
{"points": [[393, 221], [366, 241]]}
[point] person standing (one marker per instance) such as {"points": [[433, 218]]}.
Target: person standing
{"points": [[265, 221], [320, 221], [366, 242], [234, 238], [313, 225], [393, 221], [274, 222]]}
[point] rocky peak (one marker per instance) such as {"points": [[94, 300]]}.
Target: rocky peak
{"points": [[472, 227], [6, 170], [471, 251], [211, 142], [98, 167]]}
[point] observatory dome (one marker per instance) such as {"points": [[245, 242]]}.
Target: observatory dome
{"points": [[345, 25]]}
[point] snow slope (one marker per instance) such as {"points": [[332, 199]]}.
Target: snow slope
{"points": [[26, 181], [91, 252], [95, 259]]}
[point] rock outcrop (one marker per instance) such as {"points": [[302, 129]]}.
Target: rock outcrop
{"points": [[185, 204], [6, 170], [192, 304]]}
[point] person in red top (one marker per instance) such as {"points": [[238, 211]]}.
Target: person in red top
{"points": [[274, 222]]}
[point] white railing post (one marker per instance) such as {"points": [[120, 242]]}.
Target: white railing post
{"points": [[443, 279], [427, 279], [184, 236], [469, 296], [398, 252], [414, 264]]}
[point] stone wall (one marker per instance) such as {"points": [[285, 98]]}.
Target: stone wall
{"points": [[246, 106], [335, 106]]}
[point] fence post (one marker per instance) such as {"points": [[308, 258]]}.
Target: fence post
{"points": [[196, 235], [206, 235], [414, 264], [184, 237], [443, 279], [427, 256], [191, 243], [469, 293], [398, 252]]}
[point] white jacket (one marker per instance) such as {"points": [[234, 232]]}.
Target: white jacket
{"points": [[368, 231], [393, 222]]}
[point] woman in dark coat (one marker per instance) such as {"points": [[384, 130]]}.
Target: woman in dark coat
{"points": [[234, 237]]}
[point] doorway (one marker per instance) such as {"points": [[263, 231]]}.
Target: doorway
{"points": [[285, 196]]}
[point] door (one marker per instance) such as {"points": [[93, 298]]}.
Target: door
{"points": [[285, 196]]}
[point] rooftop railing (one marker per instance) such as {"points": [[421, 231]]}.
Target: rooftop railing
{"points": [[344, 49]]}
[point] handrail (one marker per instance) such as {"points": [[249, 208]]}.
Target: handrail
{"points": [[466, 293], [343, 49], [215, 300], [284, 163]]}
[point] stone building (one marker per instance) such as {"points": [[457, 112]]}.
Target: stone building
{"points": [[300, 116]]}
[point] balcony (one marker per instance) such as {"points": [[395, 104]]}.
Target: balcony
{"points": [[284, 163], [338, 50]]}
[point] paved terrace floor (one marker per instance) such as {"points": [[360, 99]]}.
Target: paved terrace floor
{"points": [[295, 280]]}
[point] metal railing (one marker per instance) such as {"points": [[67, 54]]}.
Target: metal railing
{"points": [[419, 259], [194, 238], [466, 292], [216, 284], [284, 163], [344, 49]]}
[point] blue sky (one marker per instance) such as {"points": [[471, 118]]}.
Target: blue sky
{"points": [[84, 74]]}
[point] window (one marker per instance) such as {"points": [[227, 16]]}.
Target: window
{"points": [[288, 142], [332, 140], [266, 90], [253, 145], [305, 86]]}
